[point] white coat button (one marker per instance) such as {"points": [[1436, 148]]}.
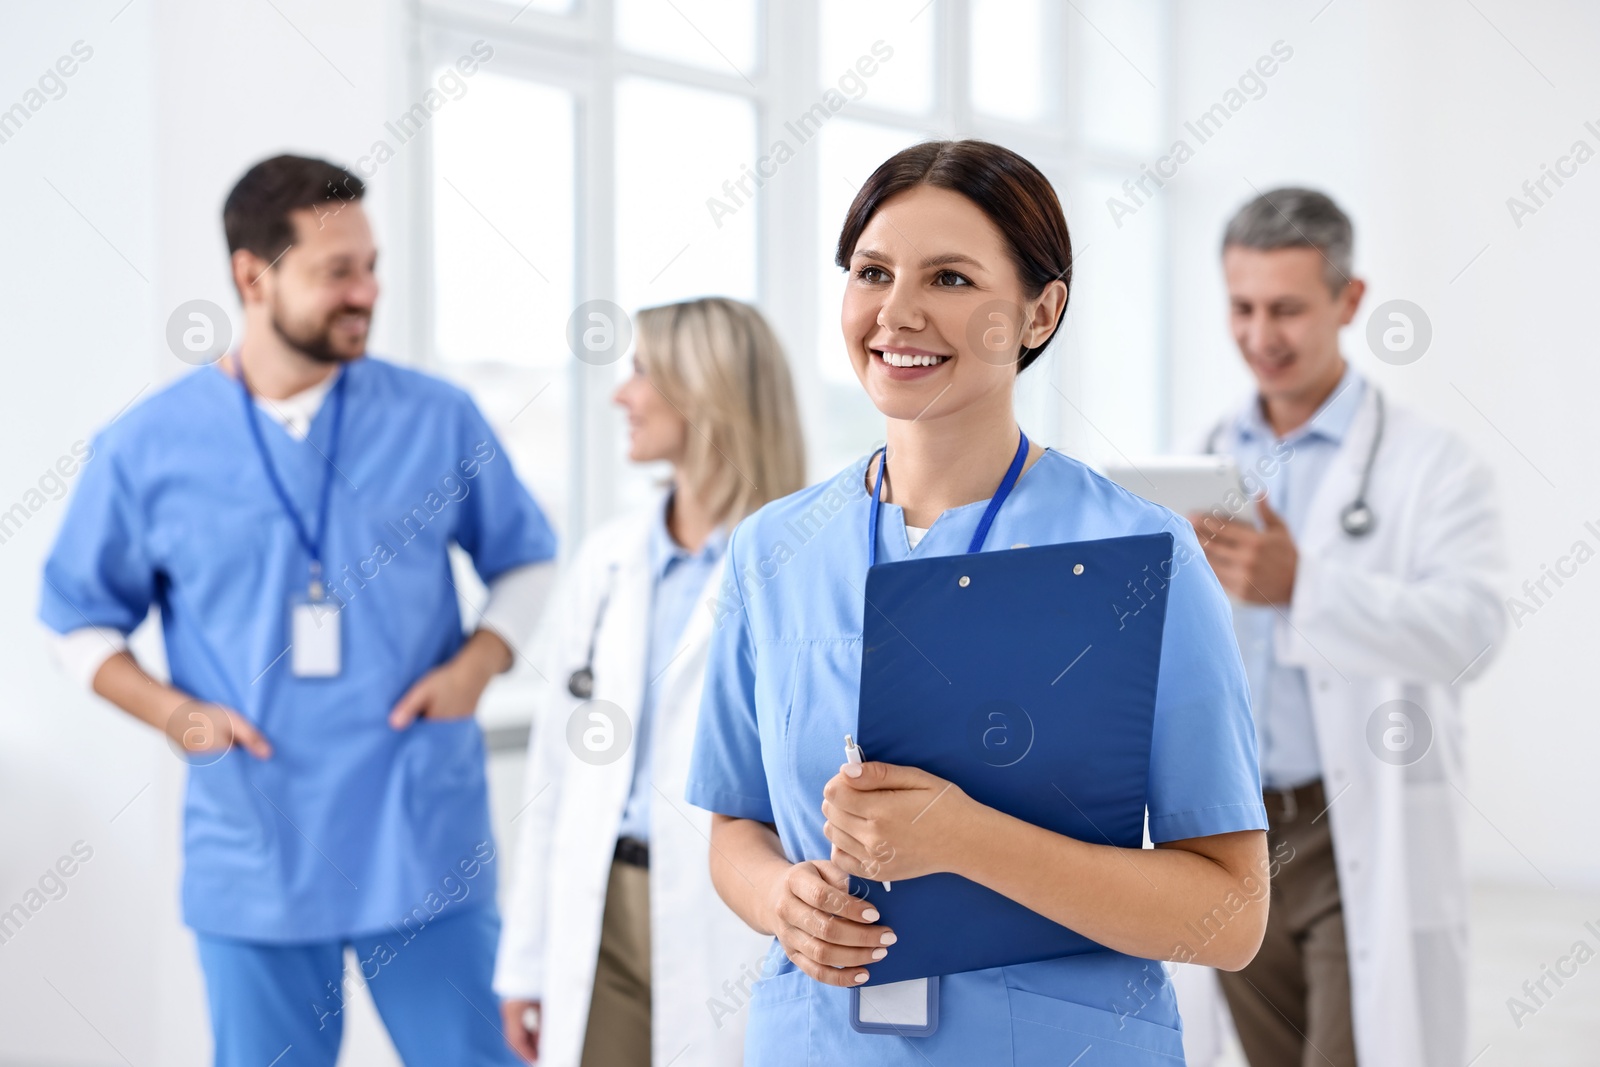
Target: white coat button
{"points": [[1323, 685]]}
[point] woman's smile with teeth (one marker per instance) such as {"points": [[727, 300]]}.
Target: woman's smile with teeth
{"points": [[907, 359]]}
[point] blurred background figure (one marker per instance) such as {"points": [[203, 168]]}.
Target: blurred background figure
{"points": [[528, 160], [289, 511], [614, 932], [1363, 601]]}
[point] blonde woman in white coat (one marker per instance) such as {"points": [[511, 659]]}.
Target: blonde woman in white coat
{"points": [[616, 949]]}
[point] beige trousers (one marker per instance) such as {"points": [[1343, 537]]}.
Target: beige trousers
{"points": [[618, 1034], [1291, 1005]]}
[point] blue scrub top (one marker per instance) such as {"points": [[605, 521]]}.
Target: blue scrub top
{"points": [[350, 827], [781, 690]]}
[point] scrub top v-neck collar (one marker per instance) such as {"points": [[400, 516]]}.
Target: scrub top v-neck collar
{"points": [[933, 529], [294, 416]]}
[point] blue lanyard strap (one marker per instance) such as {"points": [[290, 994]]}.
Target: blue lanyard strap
{"points": [[979, 535], [312, 545]]}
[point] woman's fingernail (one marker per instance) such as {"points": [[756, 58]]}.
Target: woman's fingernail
{"points": [[871, 915], [862, 977], [879, 953], [853, 769], [888, 939]]}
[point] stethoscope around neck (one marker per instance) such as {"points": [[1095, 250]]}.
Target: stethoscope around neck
{"points": [[1355, 518], [580, 683]]}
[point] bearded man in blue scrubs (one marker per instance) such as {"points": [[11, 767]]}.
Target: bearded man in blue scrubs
{"points": [[290, 510]]}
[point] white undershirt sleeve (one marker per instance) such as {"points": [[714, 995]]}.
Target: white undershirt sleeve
{"points": [[516, 600], [81, 653]]}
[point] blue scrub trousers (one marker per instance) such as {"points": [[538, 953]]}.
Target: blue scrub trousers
{"points": [[283, 1005]]}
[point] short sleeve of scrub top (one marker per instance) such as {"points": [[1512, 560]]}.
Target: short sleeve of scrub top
{"points": [[1204, 778], [501, 525], [98, 573], [728, 776]]}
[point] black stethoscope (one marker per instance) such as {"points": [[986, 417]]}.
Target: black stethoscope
{"points": [[1357, 518], [581, 682]]}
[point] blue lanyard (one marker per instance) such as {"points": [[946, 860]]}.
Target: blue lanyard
{"points": [[980, 534], [312, 545]]}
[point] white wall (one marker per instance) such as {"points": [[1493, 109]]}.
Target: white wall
{"points": [[1421, 118]]}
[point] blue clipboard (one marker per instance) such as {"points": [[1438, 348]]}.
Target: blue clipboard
{"points": [[1027, 677]]}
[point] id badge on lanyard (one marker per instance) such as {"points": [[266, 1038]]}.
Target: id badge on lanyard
{"points": [[314, 648], [896, 1009]]}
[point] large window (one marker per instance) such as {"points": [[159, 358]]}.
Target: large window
{"points": [[642, 151], [618, 154]]}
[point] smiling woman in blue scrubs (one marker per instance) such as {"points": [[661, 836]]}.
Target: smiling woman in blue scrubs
{"points": [[959, 267]]}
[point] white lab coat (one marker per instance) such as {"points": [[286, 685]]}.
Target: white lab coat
{"points": [[1409, 612], [703, 958]]}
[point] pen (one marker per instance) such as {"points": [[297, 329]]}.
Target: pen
{"points": [[852, 755]]}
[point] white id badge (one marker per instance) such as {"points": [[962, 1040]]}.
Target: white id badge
{"points": [[900, 1009], [314, 638]]}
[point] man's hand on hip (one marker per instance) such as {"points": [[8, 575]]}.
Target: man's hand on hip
{"points": [[452, 690]]}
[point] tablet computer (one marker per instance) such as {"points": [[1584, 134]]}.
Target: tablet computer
{"points": [[1210, 485]]}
